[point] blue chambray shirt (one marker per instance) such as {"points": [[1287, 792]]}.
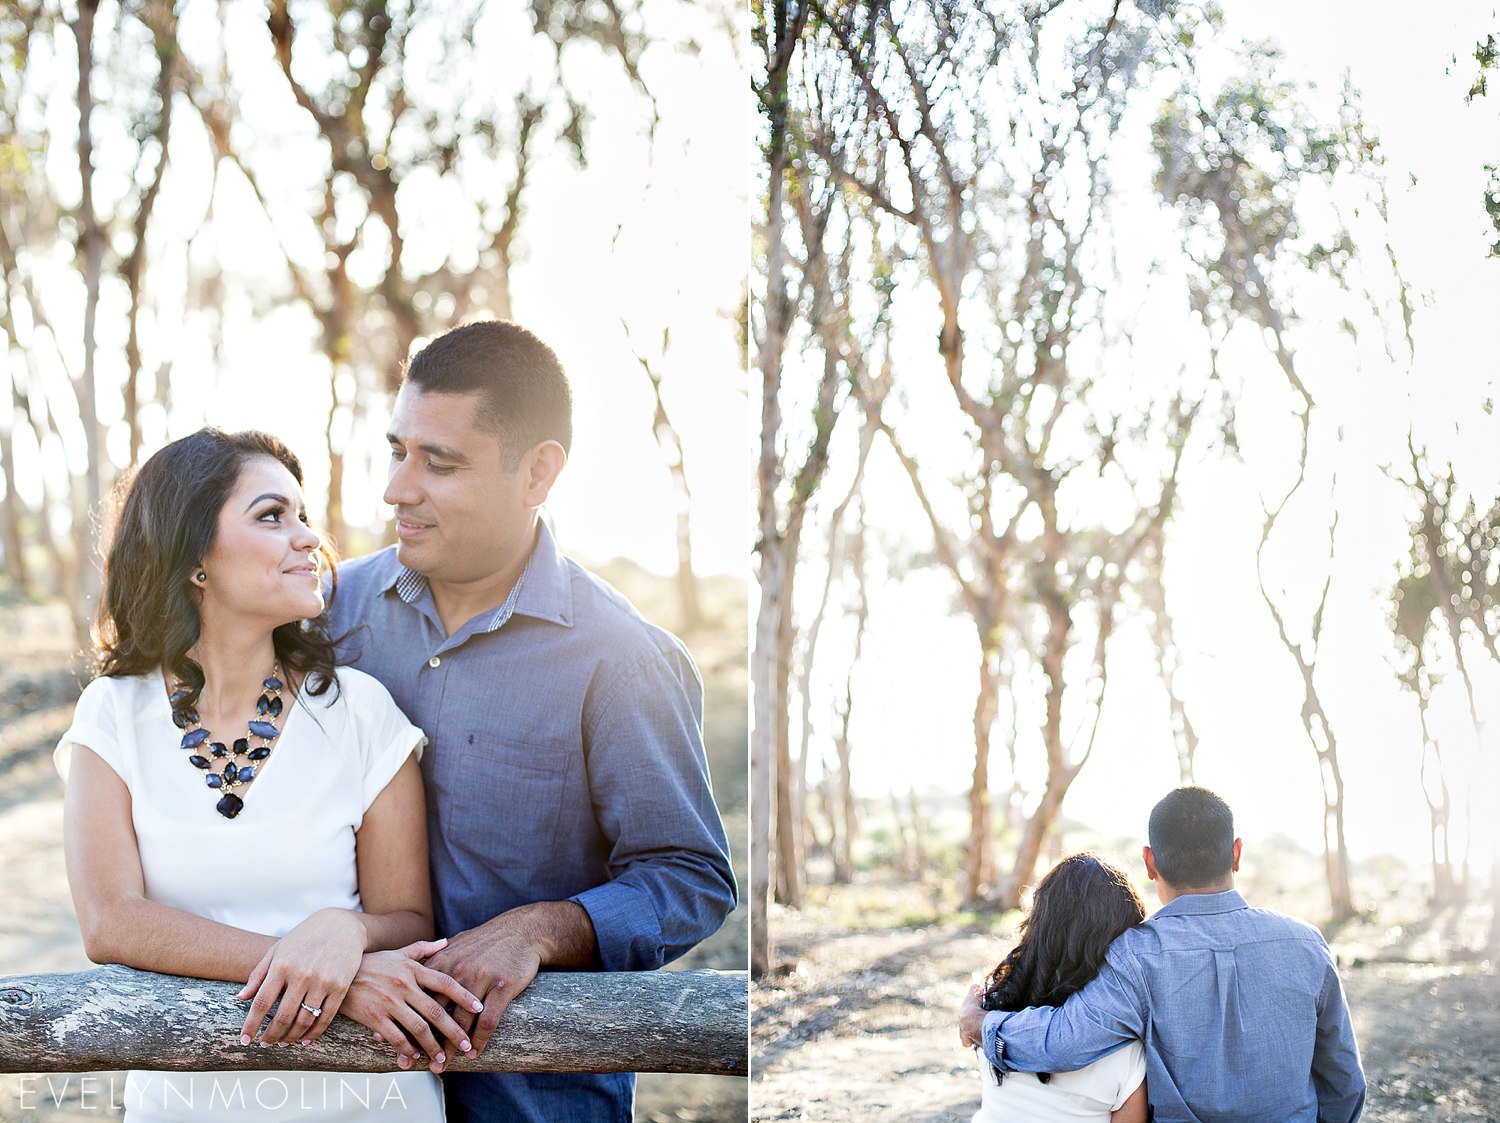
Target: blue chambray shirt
{"points": [[1241, 1011], [565, 762]]}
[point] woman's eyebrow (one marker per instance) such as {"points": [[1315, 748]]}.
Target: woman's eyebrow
{"points": [[282, 499]]}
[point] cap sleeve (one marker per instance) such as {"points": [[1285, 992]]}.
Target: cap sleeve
{"points": [[387, 738], [1133, 1071], [97, 726]]}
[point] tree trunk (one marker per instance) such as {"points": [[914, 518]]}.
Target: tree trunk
{"points": [[1153, 593], [776, 561], [1060, 773], [763, 747], [1335, 852], [788, 822], [980, 864], [91, 250], [134, 267], [15, 555], [605, 1021], [918, 836], [906, 862], [1444, 891], [848, 815], [333, 520]]}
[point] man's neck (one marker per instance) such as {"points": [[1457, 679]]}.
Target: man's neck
{"points": [[458, 602], [1168, 893]]}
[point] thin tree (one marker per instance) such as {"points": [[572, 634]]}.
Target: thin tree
{"points": [[778, 29], [1008, 219], [1235, 162], [669, 440], [91, 240]]}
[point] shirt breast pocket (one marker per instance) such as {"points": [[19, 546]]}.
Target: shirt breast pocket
{"points": [[503, 797]]}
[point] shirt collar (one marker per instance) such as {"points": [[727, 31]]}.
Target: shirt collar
{"points": [[543, 590], [1203, 904]]}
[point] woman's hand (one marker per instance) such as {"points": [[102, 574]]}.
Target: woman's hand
{"points": [[393, 993], [971, 1019], [309, 970]]}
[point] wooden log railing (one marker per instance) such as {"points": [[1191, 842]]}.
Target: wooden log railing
{"points": [[116, 1017]]}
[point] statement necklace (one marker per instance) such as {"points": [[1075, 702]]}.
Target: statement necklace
{"points": [[232, 775]]}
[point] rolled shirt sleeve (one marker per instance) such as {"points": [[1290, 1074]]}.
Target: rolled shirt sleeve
{"points": [[1095, 1021], [670, 881]]}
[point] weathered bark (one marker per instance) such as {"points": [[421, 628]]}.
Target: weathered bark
{"points": [[116, 1017]]}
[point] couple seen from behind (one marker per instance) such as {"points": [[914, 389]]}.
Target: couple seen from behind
{"points": [[295, 777], [1208, 1012]]}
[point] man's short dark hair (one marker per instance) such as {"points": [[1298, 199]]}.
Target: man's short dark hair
{"points": [[1192, 838], [526, 399]]}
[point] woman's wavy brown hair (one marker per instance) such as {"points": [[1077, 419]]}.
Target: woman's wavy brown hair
{"points": [[1077, 910], [167, 519]]}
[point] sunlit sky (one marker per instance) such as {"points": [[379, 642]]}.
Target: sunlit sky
{"points": [[915, 687], [680, 259]]}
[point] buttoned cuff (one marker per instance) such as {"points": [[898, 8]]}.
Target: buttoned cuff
{"points": [[989, 1039], [626, 930]]}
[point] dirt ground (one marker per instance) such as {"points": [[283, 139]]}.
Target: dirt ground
{"points": [[39, 683], [864, 1026]]}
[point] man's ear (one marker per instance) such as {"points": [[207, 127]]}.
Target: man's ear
{"points": [[1235, 867], [540, 467], [1150, 860]]}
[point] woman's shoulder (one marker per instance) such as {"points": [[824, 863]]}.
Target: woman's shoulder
{"points": [[1111, 1077], [361, 698], [114, 687], [355, 688]]}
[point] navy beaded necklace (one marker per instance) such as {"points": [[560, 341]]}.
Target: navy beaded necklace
{"points": [[233, 774]]}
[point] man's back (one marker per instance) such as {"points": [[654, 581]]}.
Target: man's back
{"points": [[1241, 1012]]}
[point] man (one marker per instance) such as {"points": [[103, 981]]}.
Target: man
{"points": [[570, 817], [1241, 1010]]}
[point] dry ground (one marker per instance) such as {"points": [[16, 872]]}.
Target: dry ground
{"points": [[864, 1025], [39, 683]]}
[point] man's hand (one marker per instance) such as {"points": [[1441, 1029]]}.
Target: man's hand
{"points": [[971, 1019], [494, 964], [498, 960], [393, 995]]}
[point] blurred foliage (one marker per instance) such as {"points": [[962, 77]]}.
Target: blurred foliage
{"points": [[1487, 57]]}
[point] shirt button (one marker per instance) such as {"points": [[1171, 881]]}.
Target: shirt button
{"points": [[434, 661]]}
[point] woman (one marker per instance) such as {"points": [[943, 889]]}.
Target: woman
{"points": [[1077, 910], [237, 809]]}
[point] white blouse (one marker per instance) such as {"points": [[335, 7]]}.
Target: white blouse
{"points": [[1091, 1093], [289, 853]]}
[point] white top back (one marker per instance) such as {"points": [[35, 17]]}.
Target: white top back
{"points": [[1091, 1093]]}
